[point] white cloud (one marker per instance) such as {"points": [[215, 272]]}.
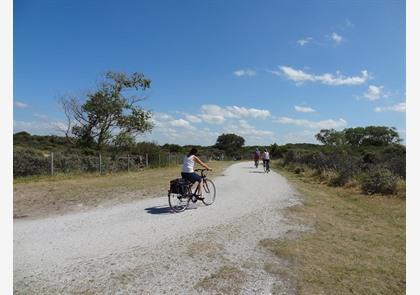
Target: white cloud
{"points": [[192, 118], [212, 114], [374, 92], [304, 109], [300, 77], [249, 132], [161, 120], [400, 107], [247, 129], [181, 123], [238, 112], [166, 121], [21, 105], [217, 115], [213, 119], [324, 124], [162, 116], [245, 72], [304, 41], [337, 38], [169, 129], [182, 136]]}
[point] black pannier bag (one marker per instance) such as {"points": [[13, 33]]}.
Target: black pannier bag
{"points": [[178, 186]]}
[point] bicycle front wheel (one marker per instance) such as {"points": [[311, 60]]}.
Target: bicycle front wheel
{"points": [[209, 192], [177, 202]]}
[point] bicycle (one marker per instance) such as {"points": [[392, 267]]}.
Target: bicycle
{"points": [[266, 164], [179, 200], [256, 162]]}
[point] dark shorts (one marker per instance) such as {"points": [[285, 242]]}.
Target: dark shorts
{"points": [[192, 177]]}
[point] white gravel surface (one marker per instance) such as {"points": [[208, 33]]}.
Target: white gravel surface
{"points": [[143, 248]]}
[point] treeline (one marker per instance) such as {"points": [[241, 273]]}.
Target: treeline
{"points": [[360, 136], [370, 157]]}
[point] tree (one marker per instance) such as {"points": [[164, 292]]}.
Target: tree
{"points": [[371, 135], [330, 137], [360, 136], [354, 136], [124, 140], [109, 113], [172, 148], [381, 136], [230, 143]]}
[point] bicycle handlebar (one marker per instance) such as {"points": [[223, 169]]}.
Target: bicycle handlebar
{"points": [[201, 169]]}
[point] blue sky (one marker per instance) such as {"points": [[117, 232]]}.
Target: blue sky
{"points": [[270, 71]]}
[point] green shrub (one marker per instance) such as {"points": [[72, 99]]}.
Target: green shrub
{"points": [[30, 162], [338, 180], [380, 180], [394, 158], [289, 157], [299, 170]]}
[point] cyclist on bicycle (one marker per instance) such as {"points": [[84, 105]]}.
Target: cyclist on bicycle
{"points": [[257, 157], [266, 159], [188, 169]]}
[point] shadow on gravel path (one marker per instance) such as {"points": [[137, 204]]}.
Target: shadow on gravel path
{"points": [[159, 210], [166, 209]]}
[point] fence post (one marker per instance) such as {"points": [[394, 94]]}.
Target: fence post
{"points": [[159, 159], [100, 164], [128, 163], [169, 159], [52, 163], [147, 160]]}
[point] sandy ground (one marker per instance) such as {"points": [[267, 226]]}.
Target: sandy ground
{"points": [[143, 248]]}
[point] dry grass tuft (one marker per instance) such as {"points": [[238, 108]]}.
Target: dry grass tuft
{"points": [[226, 280], [207, 248]]}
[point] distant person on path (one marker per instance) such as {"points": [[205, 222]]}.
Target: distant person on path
{"points": [[188, 169], [266, 160], [257, 157]]}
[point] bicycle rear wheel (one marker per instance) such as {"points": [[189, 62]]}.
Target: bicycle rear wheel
{"points": [[209, 192], [178, 202], [267, 167]]}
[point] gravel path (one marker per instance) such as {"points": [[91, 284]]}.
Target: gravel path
{"points": [[143, 248]]}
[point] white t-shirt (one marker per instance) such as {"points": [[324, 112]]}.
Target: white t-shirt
{"points": [[188, 166], [266, 156]]}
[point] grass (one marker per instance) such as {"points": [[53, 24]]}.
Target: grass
{"points": [[226, 280], [356, 244], [43, 196]]}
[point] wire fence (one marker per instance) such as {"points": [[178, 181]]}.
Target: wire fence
{"points": [[27, 164]]}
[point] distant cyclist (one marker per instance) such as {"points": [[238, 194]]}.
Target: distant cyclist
{"points": [[188, 169], [257, 156], [266, 160]]}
